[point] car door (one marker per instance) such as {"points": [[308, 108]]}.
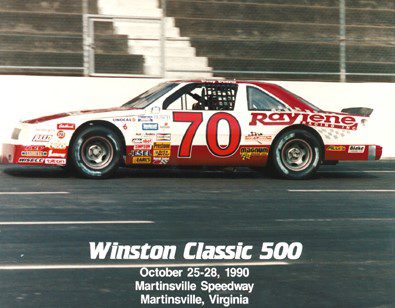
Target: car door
{"points": [[205, 128]]}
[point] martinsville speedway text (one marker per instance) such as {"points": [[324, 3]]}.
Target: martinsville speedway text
{"points": [[195, 251]]}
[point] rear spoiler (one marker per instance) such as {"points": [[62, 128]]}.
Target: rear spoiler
{"points": [[362, 111]]}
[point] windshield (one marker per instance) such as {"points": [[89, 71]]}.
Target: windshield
{"points": [[148, 97]]}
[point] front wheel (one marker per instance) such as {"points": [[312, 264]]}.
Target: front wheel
{"points": [[296, 155], [96, 152]]}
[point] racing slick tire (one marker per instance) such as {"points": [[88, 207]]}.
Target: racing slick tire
{"points": [[296, 155], [96, 152]]}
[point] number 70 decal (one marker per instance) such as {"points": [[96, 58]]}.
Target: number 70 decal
{"points": [[196, 119]]}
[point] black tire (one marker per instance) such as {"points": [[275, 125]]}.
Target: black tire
{"points": [[100, 143], [296, 155]]}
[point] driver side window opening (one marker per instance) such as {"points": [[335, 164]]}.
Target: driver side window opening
{"points": [[198, 96], [259, 100]]}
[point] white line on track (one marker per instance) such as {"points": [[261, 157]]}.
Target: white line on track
{"points": [[34, 193], [335, 219], [150, 265], [341, 190], [77, 222], [357, 171]]}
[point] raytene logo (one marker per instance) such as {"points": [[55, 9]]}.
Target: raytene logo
{"points": [[310, 119]]}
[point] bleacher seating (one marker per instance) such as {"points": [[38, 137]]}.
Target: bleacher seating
{"points": [[36, 33], [240, 38], [289, 36]]}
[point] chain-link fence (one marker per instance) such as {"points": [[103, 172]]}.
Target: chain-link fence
{"points": [[327, 40]]}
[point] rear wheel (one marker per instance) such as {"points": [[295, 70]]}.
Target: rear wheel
{"points": [[296, 155], [96, 152]]}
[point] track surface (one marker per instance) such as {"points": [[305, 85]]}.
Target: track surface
{"points": [[348, 236]]}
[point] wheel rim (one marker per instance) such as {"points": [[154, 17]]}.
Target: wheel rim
{"points": [[97, 152], [297, 154]]}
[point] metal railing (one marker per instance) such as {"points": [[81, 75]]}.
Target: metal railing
{"points": [[89, 63]]}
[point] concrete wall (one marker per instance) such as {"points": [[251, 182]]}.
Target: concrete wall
{"points": [[24, 97]]}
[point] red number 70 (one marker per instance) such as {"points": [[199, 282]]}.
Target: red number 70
{"points": [[196, 118]]}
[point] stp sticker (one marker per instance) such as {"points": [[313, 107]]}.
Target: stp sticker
{"points": [[356, 149], [61, 134]]}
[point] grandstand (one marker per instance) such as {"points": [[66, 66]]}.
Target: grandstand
{"points": [[46, 37], [250, 39]]}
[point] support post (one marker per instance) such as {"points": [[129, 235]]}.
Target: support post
{"points": [[163, 40], [85, 37], [343, 52]]}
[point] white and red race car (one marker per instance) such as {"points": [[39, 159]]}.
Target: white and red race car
{"points": [[197, 123]]}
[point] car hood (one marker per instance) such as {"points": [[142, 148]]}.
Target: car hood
{"points": [[75, 113]]}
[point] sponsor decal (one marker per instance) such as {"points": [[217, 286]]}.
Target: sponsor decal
{"points": [[55, 161], [163, 137], [310, 119], [61, 134], [247, 153], [165, 125], [258, 137], [336, 148], [140, 153], [160, 160], [147, 141], [142, 147], [137, 140], [162, 153], [162, 145], [30, 160], [34, 148], [141, 160], [34, 153], [356, 149], [145, 118], [58, 146], [125, 127], [53, 153], [66, 126], [42, 138], [162, 117], [122, 119], [44, 130], [150, 126]]}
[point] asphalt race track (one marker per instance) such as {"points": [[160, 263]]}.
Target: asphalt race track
{"points": [[345, 218]]}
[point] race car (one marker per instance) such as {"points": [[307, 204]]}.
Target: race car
{"points": [[197, 123]]}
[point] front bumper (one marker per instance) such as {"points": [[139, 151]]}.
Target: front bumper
{"points": [[33, 155]]}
